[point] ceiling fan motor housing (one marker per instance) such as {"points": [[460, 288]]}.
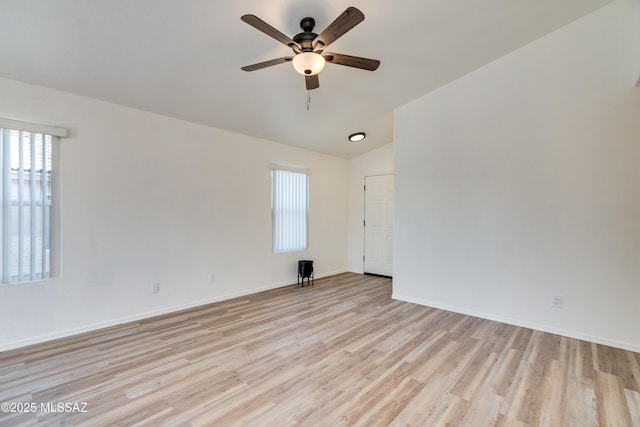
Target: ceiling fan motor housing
{"points": [[306, 38]]}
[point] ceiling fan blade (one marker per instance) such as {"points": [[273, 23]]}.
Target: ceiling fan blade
{"points": [[352, 61], [260, 25], [343, 23], [312, 82], [265, 64]]}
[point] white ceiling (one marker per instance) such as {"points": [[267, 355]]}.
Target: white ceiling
{"points": [[183, 58]]}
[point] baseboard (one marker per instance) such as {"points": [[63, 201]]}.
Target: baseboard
{"points": [[12, 345], [524, 324]]}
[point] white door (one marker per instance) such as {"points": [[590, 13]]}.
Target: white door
{"points": [[378, 225]]}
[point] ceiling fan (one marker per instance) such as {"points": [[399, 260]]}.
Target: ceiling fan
{"points": [[308, 47]]}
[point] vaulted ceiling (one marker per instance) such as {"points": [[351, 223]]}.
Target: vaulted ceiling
{"points": [[182, 58]]}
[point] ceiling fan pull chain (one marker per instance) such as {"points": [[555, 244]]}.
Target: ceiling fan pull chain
{"points": [[308, 99]]}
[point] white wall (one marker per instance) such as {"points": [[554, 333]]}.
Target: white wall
{"points": [[521, 181], [148, 198], [636, 41], [375, 162]]}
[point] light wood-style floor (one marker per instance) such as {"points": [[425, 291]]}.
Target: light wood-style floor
{"points": [[339, 353]]}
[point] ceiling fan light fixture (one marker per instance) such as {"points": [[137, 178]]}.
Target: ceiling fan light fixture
{"points": [[308, 63], [355, 137]]}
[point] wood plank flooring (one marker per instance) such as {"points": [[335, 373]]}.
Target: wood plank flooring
{"points": [[339, 353]]}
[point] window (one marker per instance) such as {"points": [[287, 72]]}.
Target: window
{"points": [[290, 208], [27, 154]]}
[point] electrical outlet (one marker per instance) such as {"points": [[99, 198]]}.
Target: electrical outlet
{"points": [[556, 301], [211, 278], [154, 288]]}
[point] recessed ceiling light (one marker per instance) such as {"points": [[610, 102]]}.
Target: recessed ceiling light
{"points": [[355, 137]]}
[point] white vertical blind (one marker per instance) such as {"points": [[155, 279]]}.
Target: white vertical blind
{"points": [[26, 205], [5, 247], [290, 209]]}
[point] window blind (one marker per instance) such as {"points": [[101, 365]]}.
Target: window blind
{"points": [[25, 235], [290, 209]]}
